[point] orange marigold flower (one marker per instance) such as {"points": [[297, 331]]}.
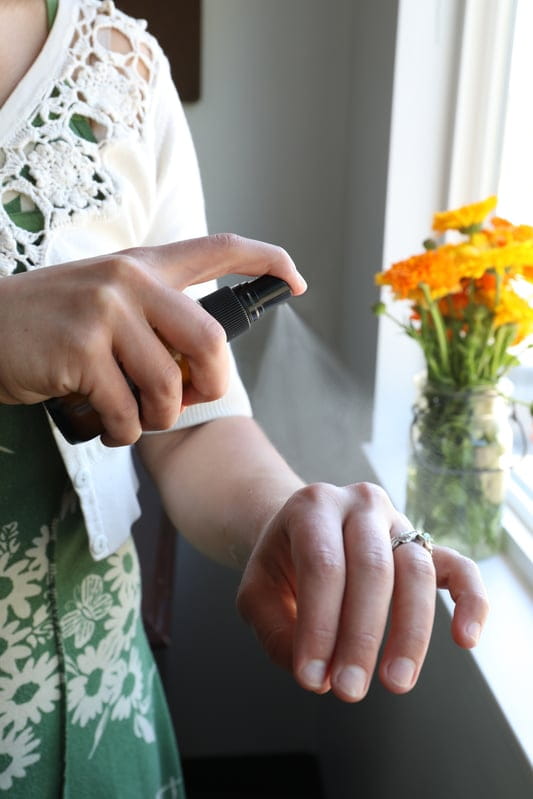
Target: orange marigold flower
{"points": [[487, 281], [464, 217], [527, 273], [453, 305], [499, 221], [468, 299], [441, 270]]}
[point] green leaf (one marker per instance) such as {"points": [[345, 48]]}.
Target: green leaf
{"points": [[82, 128]]}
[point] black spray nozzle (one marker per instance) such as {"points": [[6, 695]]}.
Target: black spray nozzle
{"points": [[236, 307]]}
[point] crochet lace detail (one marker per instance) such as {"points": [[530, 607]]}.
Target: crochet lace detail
{"points": [[51, 166]]}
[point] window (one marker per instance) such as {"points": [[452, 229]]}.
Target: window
{"points": [[448, 147], [515, 193]]}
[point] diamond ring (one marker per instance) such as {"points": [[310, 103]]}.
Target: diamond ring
{"points": [[424, 539]]}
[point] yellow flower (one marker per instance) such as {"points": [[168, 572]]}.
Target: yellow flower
{"points": [[513, 309], [468, 300], [464, 217], [516, 258], [504, 232]]}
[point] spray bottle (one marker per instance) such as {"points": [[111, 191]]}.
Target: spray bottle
{"points": [[236, 308]]}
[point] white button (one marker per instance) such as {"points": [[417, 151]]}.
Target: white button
{"points": [[81, 478], [99, 545]]}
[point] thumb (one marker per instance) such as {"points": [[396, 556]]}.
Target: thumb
{"points": [[184, 263]]}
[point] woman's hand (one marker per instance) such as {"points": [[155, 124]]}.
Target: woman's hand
{"points": [[80, 327], [322, 579]]}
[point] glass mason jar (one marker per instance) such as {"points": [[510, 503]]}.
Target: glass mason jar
{"points": [[459, 465]]}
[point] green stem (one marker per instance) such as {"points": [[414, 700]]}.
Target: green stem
{"points": [[502, 341], [439, 327]]}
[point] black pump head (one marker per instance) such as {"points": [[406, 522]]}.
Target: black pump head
{"points": [[236, 307]]}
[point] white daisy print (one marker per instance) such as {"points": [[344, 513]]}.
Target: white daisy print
{"points": [[16, 754], [13, 644], [16, 575], [95, 683], [91, 603], [42, 627], [9, 535], [131, 686], [124, 574], [121, 624], [36, 554], [27, 693]]}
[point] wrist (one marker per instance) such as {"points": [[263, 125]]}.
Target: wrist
{"points": [[264, 504]]}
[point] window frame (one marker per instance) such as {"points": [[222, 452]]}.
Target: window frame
{"points": [[464, 56]]}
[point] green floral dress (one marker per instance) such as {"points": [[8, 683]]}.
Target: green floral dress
{"points": [[82, 711]]}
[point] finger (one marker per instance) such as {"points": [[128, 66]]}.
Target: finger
{"points": [[186, 263], [412, 616], [266, 602], [318, 556], [365, 608], [462, 578], [114, 403], [154, 375], [198, 338]]}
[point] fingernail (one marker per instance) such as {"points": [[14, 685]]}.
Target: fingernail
{"points": [[401, 672], [313, 673], [474, 631], [303, 282], [352, 681]]}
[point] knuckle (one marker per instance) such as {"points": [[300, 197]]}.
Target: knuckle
{"points": [[274, 642], [322, 637], [213, 335], [101, 301], [213, 381], [471, 568], [125, 413], [416, 639], [364, 642], [419, 567], [308, 507], [123, 265], [84, 347], [325, 564], [313, 494], [371, 494], [166, 385], [280, 253], [226, 241], [128, 270], [375, 561], [123, 422]]}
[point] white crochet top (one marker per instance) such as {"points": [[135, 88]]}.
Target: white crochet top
{"points": [[96, 156]]}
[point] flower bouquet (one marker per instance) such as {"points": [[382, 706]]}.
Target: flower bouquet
{"points": [[468, 296]]}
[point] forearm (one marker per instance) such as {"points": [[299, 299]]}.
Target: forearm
{"points": [[220, 484]]}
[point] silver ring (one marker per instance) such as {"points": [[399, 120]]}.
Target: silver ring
{"points": [[424, 539]]}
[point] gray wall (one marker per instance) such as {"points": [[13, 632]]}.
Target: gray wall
{"points": [[292, 136], [286, 87]]}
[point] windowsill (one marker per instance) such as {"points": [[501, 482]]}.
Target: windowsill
{"points": [[504, 655]]}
